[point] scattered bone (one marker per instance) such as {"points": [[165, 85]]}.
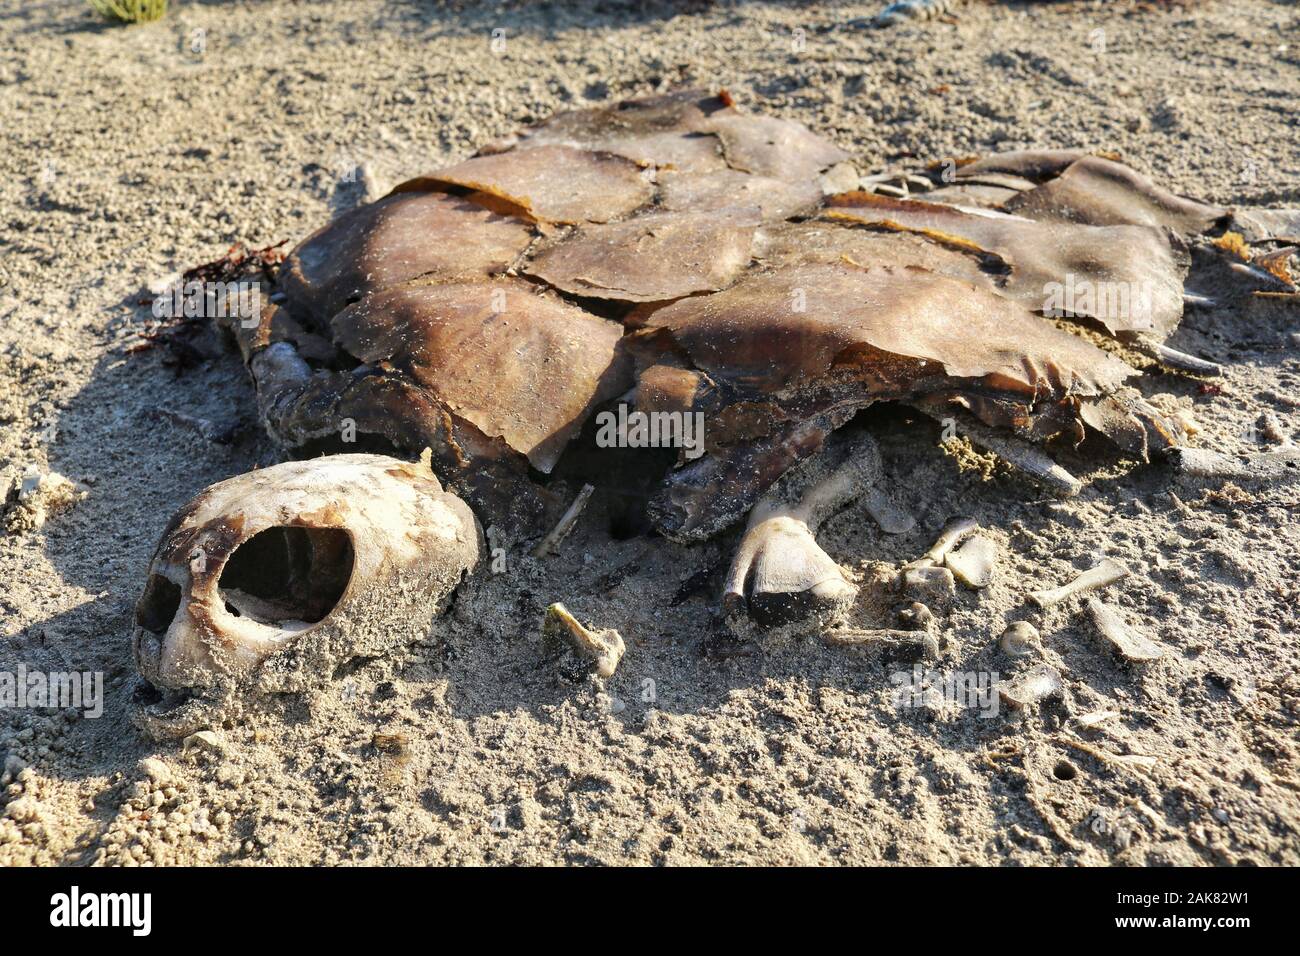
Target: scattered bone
{"points": [[565, 524], [916, 616], [973, 562], [931, 585], [842, 177], [156, 770], [1175, 359], [885, 189], [1036, 684], [1262, 466], [1108, 571], [952, 534], [1019, 639], [1131, 645], [1187, 421], [209, 741], [1095, 718], [1025, 458], [907, 645], [1262, 275], [39, 498], [603, 648]]}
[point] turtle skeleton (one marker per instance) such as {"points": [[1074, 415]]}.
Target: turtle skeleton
{"points": [[677, 255]]}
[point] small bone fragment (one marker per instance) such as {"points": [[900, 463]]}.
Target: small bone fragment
{"points": [[1028, 459], [973, 562], [916, 616], [209, 740], [1131, 645], [603, 648], [1177, 360], [885, 189], [1195, 298], [1107, 572], [1019, 639], [1095, 718], [1271, 429], [1262, 466], [913, 645], [953, 532], [565, 524], [929, 585], [1262, 275], [1035, 684], [40, 497]]}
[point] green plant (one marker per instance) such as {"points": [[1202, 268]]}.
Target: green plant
{"points": [[131, 11]]}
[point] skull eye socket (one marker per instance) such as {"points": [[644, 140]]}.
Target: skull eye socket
{"points": [[158, 605], [288, 575]]}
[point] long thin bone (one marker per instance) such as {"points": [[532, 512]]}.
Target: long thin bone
{"points": [[1175, 359], [1107, 572], [1020, 455], [565, 524], [951, 535]]}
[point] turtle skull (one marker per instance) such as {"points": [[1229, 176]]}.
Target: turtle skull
{"points": [[289, 571]]}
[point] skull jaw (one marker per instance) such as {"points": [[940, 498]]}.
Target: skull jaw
{"points": [[180, 692]]}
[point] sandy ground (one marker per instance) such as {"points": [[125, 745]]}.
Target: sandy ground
{"points": [[129, 153]]}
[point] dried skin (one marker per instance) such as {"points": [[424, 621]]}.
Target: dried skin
{"points": [[769, 146], [664, 131], [520, 366], [1100, 192], [1137, 260], [788, 329], [652, 258], [1036, 165], [776, 199], [800, 243], [395, 239], [556, 184]]}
